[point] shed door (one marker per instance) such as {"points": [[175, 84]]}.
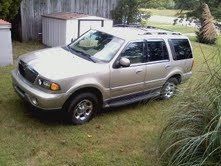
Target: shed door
{"points": [[85, 25]]}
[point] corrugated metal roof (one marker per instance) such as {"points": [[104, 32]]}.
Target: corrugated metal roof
{"points": [[2, 22], [65, 16]]}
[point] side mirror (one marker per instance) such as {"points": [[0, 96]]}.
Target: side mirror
{"points": [[73, 40], [124, 62]]}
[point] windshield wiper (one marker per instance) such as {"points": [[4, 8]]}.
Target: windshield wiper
{"points": [[82, 53]]}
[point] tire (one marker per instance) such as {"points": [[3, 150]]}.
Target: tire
{"points": [[169, 89], [82, 108]]}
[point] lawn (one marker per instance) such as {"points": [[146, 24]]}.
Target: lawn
{"points": [[123, 136], [170, 27], [163, 12], [169, 13]]}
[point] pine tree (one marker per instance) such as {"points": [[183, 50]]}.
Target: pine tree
{"points": [[9, 9], [126, 11], [207, 33]]}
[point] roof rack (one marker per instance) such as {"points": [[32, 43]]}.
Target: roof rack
{"points": [[160, 33], [156, 31], [128, 25]]}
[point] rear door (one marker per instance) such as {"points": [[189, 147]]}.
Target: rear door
{"points": [[158, 66], [182, 54]]}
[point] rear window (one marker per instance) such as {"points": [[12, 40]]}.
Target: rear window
{"points": [[157, 51], [181, 49]]}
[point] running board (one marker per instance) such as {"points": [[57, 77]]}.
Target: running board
{"points": [[121, 101]]}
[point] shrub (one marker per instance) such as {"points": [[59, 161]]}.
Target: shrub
{"points": [[9, 9], [194, 7], [126, 12], [193, 134], [160, 4], [207, 33]]}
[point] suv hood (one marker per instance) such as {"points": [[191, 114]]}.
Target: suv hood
{"points": [[58, 63]]}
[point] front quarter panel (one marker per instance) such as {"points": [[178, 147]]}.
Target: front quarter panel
{"points": [[99, 79]]}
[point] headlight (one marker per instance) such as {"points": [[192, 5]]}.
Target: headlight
{"points": [[55, 87], [48, 85]]}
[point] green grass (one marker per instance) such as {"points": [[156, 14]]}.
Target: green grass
{"points": [[219, 41], [124, 136], [167, 12], [192, 135], [22, 48], [176, 28], [162, 12]]}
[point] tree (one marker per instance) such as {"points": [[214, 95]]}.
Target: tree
{"points": [[127, 11], [160, 4], [195, 7], [9, 9], [208, 32]]}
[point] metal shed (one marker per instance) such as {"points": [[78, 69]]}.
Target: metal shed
{"points": [[59, 28], [6, 57]]}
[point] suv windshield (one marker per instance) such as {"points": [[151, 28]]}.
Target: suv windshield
{"points": [[97, 45]]}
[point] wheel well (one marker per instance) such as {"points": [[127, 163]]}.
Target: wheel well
{"points": [[93, 90], [178, 77]]}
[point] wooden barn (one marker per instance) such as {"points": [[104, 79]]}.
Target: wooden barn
{"points": [[32, 11]]}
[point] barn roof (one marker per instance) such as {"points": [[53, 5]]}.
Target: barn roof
{"points": [[2, 22], [70, 16], [65, 16]]}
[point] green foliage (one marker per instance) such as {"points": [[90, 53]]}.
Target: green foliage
{"points": [[144, 22], [9, 9], [126, 11], [207, 33], [193, 134], [195, 7], [160, 4]]}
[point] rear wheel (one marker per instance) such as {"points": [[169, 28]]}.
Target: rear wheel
{"points": [[82, 108], [169, 88]]}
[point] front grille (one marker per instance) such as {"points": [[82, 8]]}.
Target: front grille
{"points": [[28, 73]]}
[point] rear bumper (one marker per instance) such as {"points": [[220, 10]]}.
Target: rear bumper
{"points": [[35, 96]]}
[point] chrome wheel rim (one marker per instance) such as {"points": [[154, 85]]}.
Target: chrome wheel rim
{"points": [[169, 90], [83, 110]]}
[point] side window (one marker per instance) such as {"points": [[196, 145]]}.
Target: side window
{"points": [[157, 51], [181, 49], [135, 52]]}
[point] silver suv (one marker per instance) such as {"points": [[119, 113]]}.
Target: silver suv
{"points": [[104, 68]]}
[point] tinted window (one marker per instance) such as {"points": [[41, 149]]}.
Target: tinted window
{"points": [[134, 52], [181, 49], [157, 51]]}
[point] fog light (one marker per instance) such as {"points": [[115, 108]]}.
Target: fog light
{"points": [[34, 101]]}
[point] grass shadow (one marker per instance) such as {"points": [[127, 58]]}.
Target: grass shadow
{"points": [[47, 117]]}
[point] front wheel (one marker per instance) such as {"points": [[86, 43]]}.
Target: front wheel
{"points": [[169, 88], [82, 108]]}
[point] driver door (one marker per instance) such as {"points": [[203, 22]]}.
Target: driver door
{"points": [[129, 80]]}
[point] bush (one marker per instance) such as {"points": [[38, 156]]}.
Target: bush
{"points": [[9, 9], [126, 12], [193, 134], [207, 33], [160, 4]]}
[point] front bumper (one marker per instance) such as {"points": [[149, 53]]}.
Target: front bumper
{"points": [[35, 96]]}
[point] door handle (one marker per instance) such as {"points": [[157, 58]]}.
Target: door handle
{"points": [[139, 71]]}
